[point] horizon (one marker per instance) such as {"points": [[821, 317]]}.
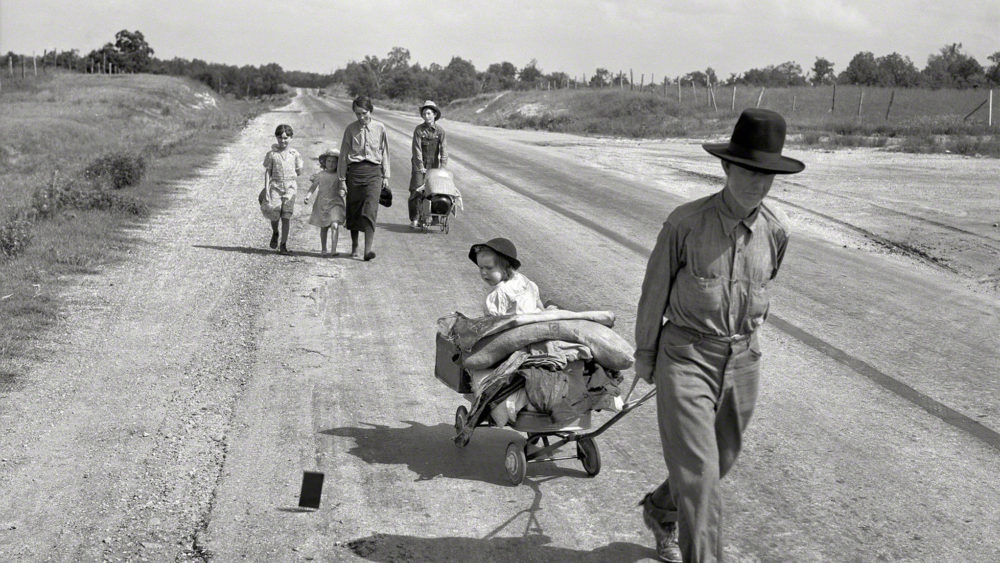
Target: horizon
{"points": [[574, 36]]}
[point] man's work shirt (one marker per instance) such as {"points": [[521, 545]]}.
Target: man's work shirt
{"points": [[709, 271], [364, 142], [429, 147]]}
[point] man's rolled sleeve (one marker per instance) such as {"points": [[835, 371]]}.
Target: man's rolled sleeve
{"points": [[660, 271]]}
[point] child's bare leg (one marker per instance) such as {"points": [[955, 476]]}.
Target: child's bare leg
{"points": [[284, 230], [334, 238], [322, 237]]}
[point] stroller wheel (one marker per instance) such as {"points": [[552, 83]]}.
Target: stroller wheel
{"points": [[586, 452], [461, 419], [515, 463]]}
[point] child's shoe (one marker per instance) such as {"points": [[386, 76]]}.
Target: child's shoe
{"points": [[284, 250], [274, 240]]}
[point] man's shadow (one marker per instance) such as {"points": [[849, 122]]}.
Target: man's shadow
{"points": [[532, 547], [429, 452]]}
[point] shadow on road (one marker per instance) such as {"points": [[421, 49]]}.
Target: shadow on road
{"points": [[399, 228], [267, 251], [429, 452], [534, 547]]}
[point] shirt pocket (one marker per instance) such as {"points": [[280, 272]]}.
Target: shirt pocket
{"points": [[702, 297], [757, 303]]}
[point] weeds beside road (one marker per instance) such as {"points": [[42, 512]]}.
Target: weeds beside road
{"points": [[81, 157]]}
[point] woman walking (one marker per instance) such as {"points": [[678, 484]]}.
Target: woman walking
{"points": [[363, 170], [429, 151]]}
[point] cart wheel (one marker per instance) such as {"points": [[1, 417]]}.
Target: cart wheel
{"points": [[515, 463], [586, 452], [461, 419]]}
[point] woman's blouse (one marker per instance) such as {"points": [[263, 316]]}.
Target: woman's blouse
{"points": [[364, 142]]}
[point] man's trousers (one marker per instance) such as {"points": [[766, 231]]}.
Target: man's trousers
{"points": [[706, 391]]}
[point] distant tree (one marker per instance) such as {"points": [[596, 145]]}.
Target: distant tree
{"points": [[458, 80], [993, 72], [135, 54], [398, 59], [822, 72], [896, 70], [601, 78], [710, 76], [530, 74], [698, 77], [557, 79], [499, 76], [862, 70], [951, 68]]}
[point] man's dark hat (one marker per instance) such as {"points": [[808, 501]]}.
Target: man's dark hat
{"points": [[434, 108], [756, 144], [502, 247]]}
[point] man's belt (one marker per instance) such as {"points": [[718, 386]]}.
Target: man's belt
{"points": [[714, 337]]}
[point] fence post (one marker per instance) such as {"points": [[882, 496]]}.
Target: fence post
{"points": [[833, 100], [793, 103], [861, 100], [10, 66], [760, 96], [678, 90], [642, 81], [694, 92], [22, 68], [631, 80], [732, 106], [989, 120], [892, 96]]}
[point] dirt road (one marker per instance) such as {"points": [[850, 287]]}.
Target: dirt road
{"points": [[190, 387]]}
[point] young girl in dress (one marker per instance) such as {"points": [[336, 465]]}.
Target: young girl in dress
{"points": [[282, 165], [512, 293], [329, 210]]}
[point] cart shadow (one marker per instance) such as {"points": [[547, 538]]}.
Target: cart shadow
{"points": [[532, 547], [267, 251], [429, 452]]}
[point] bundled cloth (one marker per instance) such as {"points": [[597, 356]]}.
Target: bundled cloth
{"points": [[569, 361]]}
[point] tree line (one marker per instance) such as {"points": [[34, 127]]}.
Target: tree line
{"points": [[394, 77], [131, 53]]}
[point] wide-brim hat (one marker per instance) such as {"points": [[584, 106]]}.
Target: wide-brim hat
{"points": [[328, 153], [434, 108], [756, 144], [502, 247]]}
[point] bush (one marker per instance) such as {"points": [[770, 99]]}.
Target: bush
{"points": [[119, 169], [15, 236]]}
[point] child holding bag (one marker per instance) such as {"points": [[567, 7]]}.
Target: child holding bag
{"points": [[282, 164]]}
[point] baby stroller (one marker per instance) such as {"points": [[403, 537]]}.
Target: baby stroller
{"points": [[544, 436], [440, 201]]}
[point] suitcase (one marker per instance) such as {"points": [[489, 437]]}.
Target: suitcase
{"points": [[448, 367]]}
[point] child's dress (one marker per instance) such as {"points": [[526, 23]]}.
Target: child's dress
{"points": [[329, 207], [284, 166], [515, 296]]}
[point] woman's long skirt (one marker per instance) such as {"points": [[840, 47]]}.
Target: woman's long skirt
{"points": [[364, 184]]}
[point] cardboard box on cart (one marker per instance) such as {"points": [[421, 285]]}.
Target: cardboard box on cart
{"points": [[448, 367]]}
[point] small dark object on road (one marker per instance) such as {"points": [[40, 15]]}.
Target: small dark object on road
{"points": [[312, 489]]}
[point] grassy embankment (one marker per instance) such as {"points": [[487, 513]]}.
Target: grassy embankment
{"points": [[81, 157], [919, 120]]}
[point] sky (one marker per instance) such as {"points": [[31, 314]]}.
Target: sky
{"points": [[659, 37]]}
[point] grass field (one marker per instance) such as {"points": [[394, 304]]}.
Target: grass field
{"points": [[918, 120], [55, 221]]}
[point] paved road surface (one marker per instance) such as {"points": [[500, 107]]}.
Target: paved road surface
{"points": [[182, 403]]}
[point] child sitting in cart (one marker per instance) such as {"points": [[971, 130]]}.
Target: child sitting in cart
{"points": [[512, 292]]}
